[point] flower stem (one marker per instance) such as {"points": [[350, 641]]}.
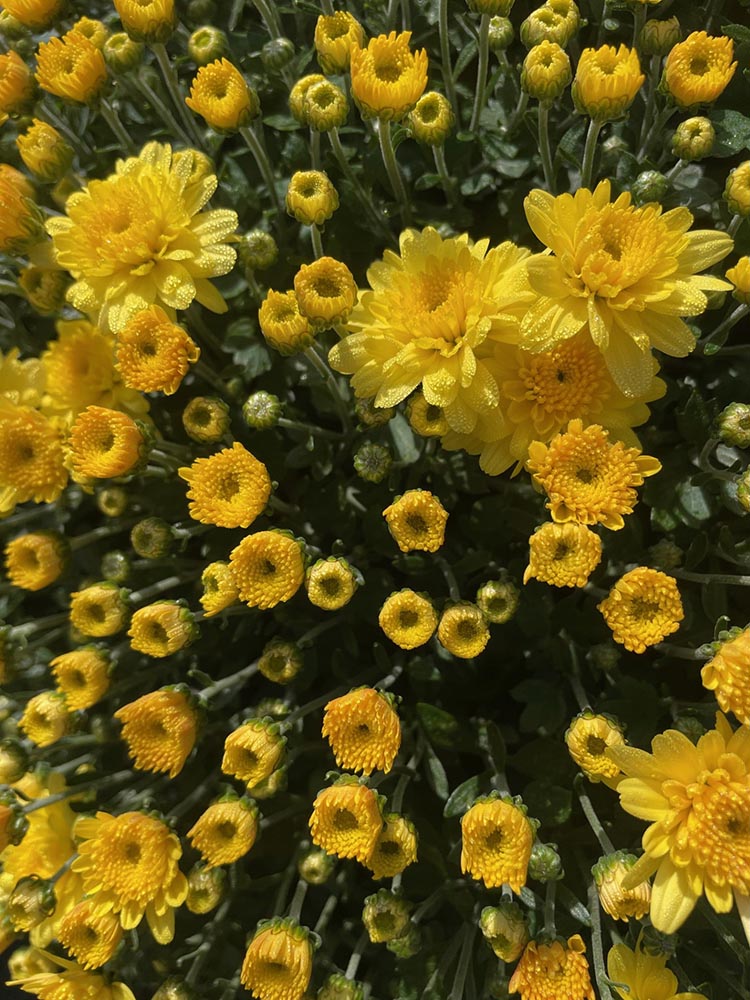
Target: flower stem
{"points": [[438, 153], [544, 146], [298, 900], [363, 197], [137, 596], [464, 961], [391, 165], [234, 680], [653, 81], [356, 956], [726, 578], [161, 108], [484, 59], [298, 425], [327, 376], [734, 225], [590, 813], [718, 335], [518, 114], [173, 86], [600, 972], [656, 129], [450, 578], [589, 152], [445, 55], [266, 170], [639, 19], [317, 242], [97, 533], [268, 13], [113, 120], [315, 148], [549, 909]]}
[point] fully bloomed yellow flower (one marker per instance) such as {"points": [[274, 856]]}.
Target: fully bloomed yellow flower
{"points": [[278, 961], [698, 70], [31, 457], [71, 67], [416, 521], [642, 608], [153, 353], [159, 729], [588, 738], [556, 970], [697, 801], [128, 864], [627, 272], [225, 831], [90, 935], [229, 489], [139, 238], [387, 78], [34, 14], [363, 729], [638, 975], [147, 20], [35, 560], [496, 842], [563, 555], [727, 674], [268, 568]]}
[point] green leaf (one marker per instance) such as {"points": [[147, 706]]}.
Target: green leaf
{"points": [[403, 439], [255, 359], [732, 131], [545, 705], [437, 779], [694, 504], [282, 123], [463, 796], [425, 181], [738, 32], [492, 743], [550, 804], [441, 727], [467, 54]]}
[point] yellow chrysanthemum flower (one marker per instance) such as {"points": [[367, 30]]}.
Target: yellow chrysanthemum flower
{"points": [[505, 930], [21, 382], [44, 151], [45, 718], [330, 583], [431, 119], [268, 568], [556, 970], [162, 628], [346, 820], [629, 273], [697, 800], [229, 489], [225, 831], [44, 287], [278, 961], [617, 901], [19, 216], [72, 984], [416, 521], [153, 353], [363, 730], [642, 608], [71, 67], [325, 292], [31, 457], [311, 198], [139, 238], [220, 95], [395, 849], [425, 418], [206, 419], [431, 318], [607, 81], [298, 94], [147, 20], [698, 70], [563, 555], [546, 71], [129, 866], [463, 630], [588, 479], [90, 935], [253, 751], [336, 35], [16, 84], [739, 275], [159, 730], [219, 588], [35, 560], [496, 842], [82, 676], [104, 443], [639, 975], [727, 674], [95, 31], [408, 619], [280, 661], [737, 190], [326, 106], [588, 738], [99, 610], [283, 325], [387, 78], [35, 14]]}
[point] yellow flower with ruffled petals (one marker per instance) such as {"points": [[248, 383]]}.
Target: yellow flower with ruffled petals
{"points": [[346, 820], [607, 81], [229, 489], [104, 443], [395, 849], [496, 842], [35, 560], [71, 67], [82, 676], [219, 588], [639, 975], [35, 14], [698, 70], [278, 961], [159, 730], [588, 738], [387, 77], [162, 628], [408, 619], [563, 555], [16, 84], [268, 568], [31, 457], [153, 353], [147, 20], [220, 95], [225, 831], [336, 35], [416, 521], [642, 608], [90, 936], [72, 984], [363, 730], [21, 382], [727, 674], [19, 217], [556, 970]]}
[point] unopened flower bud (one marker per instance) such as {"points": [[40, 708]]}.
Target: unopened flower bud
{"points": [[743, 490], [604, 656], [258, 250], [206, 419], [408, 945], [205, 888], [11, 28], [739, 275], [385, 916], [338, 987], [44, 152], [545, 864], [277, 53], [372, 462], [311, 198], [206, 44], [546, 72], [658, 37], [556, 21], [14, 761], [666, 554], [734, 425], [431, 119], [280, 661], [505, 930], [315, 866], [121, 53], [44, 287], [737, 190], [693, 139], [618, 902], [152, 538], [31, 902], [649, 185], [501, 34], [370, 415], [115, 566], [498, 600], [298, 93], [112, 501], [13, 823], [175, 988], [261, 410], [270, 786], [326, 106]]}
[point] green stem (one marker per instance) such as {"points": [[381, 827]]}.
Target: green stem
{"points": [[589, 152], [450, 579], [233, 680], [544, 146], [298, 425], [391, 166], [734, 225], [590, 813], [438, 153], [138, 596], [679, 652], [112, 119], [717, 336], [363, 197], [639, 19], [317, 242], [653, 82], [98, 533], [549, 909], [298, 900], [159, 106], [326, 913], [726, 578], [173, 86], [518, 114], [270, 18], [356, 956], [484, 60], [265, 168], [445, 56], [597, 949], [315, 148], [204, 371], [656, 130], [327, 376], [464, 961], [51, 800]]}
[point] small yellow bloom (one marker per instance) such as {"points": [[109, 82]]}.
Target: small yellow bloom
{"points": [[346, 820], [416, 521], [335, 36], [71, 67], [395, 849], [35, 14], [727, 674], [607, 81], [253, 751], [153, 353], [99, 610], [505, 930], [642, 608], [104, 443], [44, 287], [147, 20], [330, 583], [555, 21], [72, 984], [129, 866], [546, 71], [229, 489], [431, 120], [35, 560], [617, 901], [205, 888], [283, 325], [19, 218], [737, 190], [90, 936], [82, 676], [31, 457], [385, 916], [408, 619], [463, 630], [311, 198], [693, 139], [280, 661], [45, 719], [298, 94], [739, 275], [588, 737], [387, 78], [363, 730], [225, 831], [325, 292], [698, 70], [639, 975], [326, 106], [206, 419], [161, 629], [425, 418], [159, 730], [563, 555], [220, 95], [44, 151], [268, 568], [498, 600], [16, 84], [556, 970], [95, 31], [219, 588], [496, 842], [278, 961], [121, 53]]}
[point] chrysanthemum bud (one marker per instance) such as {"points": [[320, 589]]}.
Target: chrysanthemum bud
{"points": [[20, 220], [326, 106], [338, 987], [463, 630], [658, 37], [370, 415], [546, 72], [556, 21], [330, 583], [31, 901], [95, 31], [693, 139], [14, 761], [175, 988], [743, 490], [206, 419], [315, 866], [606, 82], [36, 560], [12, 30], [115, 566], [285, 948], [272, 785], [545, 864], [425, 418], [649, 185], [372, 462], [666, 554], [277, 53], [501, 8], [692, 727], [620, 903], [205, 888], [13, 823], [112, 501], [698, 70], [44, 288], [737, 190], [147, 20], [162, 628], [505, 930], [326, 292], [501, 34], [206, 44], [498, 600], [408, 944], [121, 53], [44, 152], [152, 538], [739, 275], [431, 119], [385, 916], [261, 410], [734, 425], [588, 738], [280, 661], [298, 93], [282, 324], [220, 94], [311, 198], [258, 250]]}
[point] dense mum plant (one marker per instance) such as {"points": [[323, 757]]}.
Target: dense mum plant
{"points": [[373, 497]]}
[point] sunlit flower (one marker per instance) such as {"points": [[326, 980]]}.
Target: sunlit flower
{"points": [[31, 457], [607, 81], [90, 935], [16, 84], [229, 489], [496, 842], [129, 866], [617, 901], [335, 36], [162, 628], [278, 961], [35, 560], [416, 521], [139, 238], [330, 583], [697, 800], [99, 610], [556, 970], [311, 198], [727, 674], [44, 151], [159, 730], [639, 975], [463, 630], [346, 820], [387, 78], [268, 568], [642, 608], [563, 555], [629, 273], [432, 119], [363, 730], [283, 325], [395, 849], [82, 675], [225, 831], [153, 353], [253, 751], [71, 67], [219, 588], [21, 382], [698, 70], [147, 20], [588, 737], [104, 443], [19, 218], [35, 14], [220, 95], [325, 291], [45, 718], [72, 984], [408, 619], [95, 31]]}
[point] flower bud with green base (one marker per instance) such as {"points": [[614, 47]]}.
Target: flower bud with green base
{"points": [[432, 119], [122, 54], [666, 554], [44, 288], [270, 786], [207, 44], [386, 916], [498, 600], [175, 988], [205, 888], [13, 823], [648, 186], [546, 72], [743, 490], [693, 139], [280, 661], [545, 864], [408, 945], [31, 902], [372, 462], [658, 37], [737, 190], [152, 538], [505, 930], [277, 53], [604, 656], [261, 410], [14, 761], [326, 106], [115, 566], [112, 501], [258, 250], [734, 425], [10, 28], [370, 415], [616, 901], [501, 34], [338, 987], [315, 866], [206, 419]]}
